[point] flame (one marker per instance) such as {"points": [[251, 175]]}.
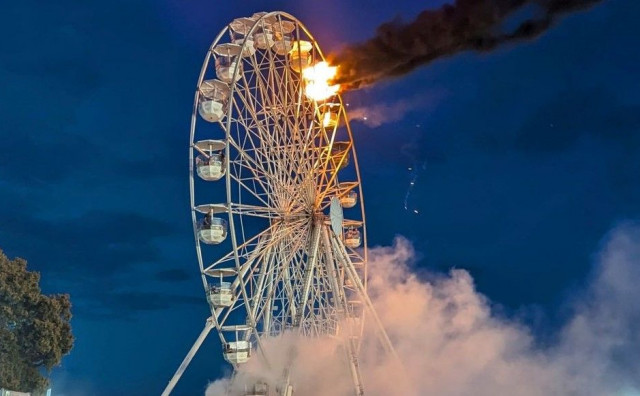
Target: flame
{"points": [[317, 79], [326, 121]]}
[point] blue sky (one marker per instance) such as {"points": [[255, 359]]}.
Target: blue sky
{"points": [[523, 159]]}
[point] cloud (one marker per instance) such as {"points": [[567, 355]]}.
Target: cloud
{"points": [[451, 343]]}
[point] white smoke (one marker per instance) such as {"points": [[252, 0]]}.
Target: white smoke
{"points": [[451, 344], [383, 113]]}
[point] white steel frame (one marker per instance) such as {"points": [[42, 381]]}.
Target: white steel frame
{"points": [[292, 272]]}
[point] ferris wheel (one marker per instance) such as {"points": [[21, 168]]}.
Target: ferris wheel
{"points": [[276, 197]]}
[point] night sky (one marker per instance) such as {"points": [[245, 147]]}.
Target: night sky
{"points": [[522, 159]]}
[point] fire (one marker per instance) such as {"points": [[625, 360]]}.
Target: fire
{"points": [[326, 120], [317, 79]]}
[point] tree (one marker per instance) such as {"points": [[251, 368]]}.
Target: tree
{"points": [[34, 328]]}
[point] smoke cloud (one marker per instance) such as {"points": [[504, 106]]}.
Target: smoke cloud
{"points": [[451, 344], [375, 115], [478, 25]]}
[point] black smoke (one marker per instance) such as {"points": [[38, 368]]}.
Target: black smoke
{"points": [[466, 25]]}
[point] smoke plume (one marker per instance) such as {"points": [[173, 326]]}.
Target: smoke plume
{"points": [[451, 344], [376, 115], [479, 25]]}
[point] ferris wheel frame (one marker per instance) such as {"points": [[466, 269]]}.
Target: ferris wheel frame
{"points": [[319, 230]]}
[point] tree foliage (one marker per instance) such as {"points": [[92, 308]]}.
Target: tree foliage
{"points": [[35, 332]]}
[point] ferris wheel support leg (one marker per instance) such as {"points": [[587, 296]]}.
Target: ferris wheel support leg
{"points": [[308, 276], [351, 271], [349, 347], [355, 367], [333, 271], [266, 321], [183, 366]]}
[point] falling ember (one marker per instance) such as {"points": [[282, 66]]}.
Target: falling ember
{"points": [[317, 79]]}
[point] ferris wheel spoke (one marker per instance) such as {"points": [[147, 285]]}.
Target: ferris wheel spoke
{"points": [[285, 139], [281, 275], [325, 184], [251, 118], [260, 196], [248, 246], [260, 283], [263, 243], [274, 237], [272, 183], [255, 211], [328, 158], [247, 162], [245, 151]]}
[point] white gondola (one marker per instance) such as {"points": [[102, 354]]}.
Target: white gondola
{"points": [[237, 352], [329, 114], [283, 37], [220, 293], [239, 29], [340, 154], [227, 59], [352, 238], [211, 164], [349, 200], [300, 55], [212, 103], [263, 35], [211, 168], [212, 230]]}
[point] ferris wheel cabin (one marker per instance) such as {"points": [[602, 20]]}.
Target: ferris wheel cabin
{"points": [[227, 61], [283, 37], [329, 114], [214, 96], [340, 154], [349, 200], [210, 168], [352, 238], [212, 230], [220, 293], [237, 352], [263, 36], [239, 29], [211, 163], [300, 55]]}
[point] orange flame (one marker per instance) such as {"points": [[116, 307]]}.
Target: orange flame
{"points": [[317, 79]]}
